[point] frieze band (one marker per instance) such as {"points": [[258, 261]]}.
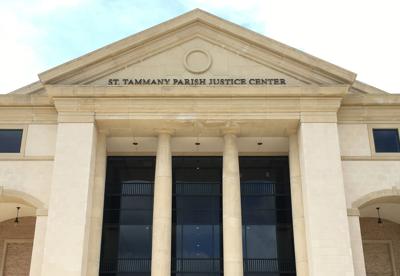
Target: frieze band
{"points": [[199, 81]]}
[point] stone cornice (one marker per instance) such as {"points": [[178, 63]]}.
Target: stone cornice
{"points": [[309, 103], [370, 108], [20, 100], [24, 109], [113, 52], [372, 100], [86, 91]]}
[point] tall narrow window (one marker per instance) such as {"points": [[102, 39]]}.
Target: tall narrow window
{"points": [[127, 220], [10, 140], [266, 217], [197, 233]]}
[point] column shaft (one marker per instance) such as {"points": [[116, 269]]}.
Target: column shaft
{"points": [[231, 207], [96, 223], [356, 245], [299, 233], [162, 210], [38, 245], [325, 211], [68, 223]]}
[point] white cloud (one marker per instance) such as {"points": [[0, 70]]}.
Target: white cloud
{"points": [[20, 62], [359, 35]]}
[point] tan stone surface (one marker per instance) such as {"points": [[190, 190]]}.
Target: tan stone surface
{"points": [[377, 251], [162, 209], [364, 177], [196, 24], [70, 205], [18, 259], [231, 208], [32, 178], [324, 201], [18, 251], [60, 113], [299, 231], [96, 224], [356, 244], [41, 140], [225, 64], [38, 245], [354, 140]]}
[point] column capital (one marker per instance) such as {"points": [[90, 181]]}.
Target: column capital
{"points": [[168, 131], [234, 130], [76, 117], [42, 212], [353, 212], [230, 128]]}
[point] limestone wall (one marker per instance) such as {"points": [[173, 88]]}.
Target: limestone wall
{"points": [[29, 173], [31, 177], [366, 176], [364, 171], [354, 140]]}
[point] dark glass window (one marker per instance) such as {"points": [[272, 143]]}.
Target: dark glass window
{"points": [[266, 216], [386, 140], [10, 140], [197, 231], [128, 213]]}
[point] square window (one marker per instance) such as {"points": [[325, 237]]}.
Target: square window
{"points": [[10, 140], [386, 140]]}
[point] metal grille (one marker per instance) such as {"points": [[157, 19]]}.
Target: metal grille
{"points": [[126, 265], [269, 265], [197, 188], [196, 265], [258, 188]]}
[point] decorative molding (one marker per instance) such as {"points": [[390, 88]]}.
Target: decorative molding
{"points": [[353, 212], [192, 67], [216, 28], [26, 158], [76, 117], [42, 212], [391, 252], [6, 242]]}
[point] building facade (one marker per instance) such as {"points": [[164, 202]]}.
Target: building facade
{"points": [[198, 147]]}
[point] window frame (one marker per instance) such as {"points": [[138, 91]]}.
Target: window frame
{"points": [[21, 153], [386, 155]]}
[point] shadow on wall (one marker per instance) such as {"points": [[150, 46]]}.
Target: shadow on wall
{"points": [[381, 244], [16, 242]]}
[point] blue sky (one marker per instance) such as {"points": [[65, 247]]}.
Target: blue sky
{"points": [[361, 36]]}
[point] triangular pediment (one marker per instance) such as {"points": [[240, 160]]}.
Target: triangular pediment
{"points": [[197, 45], [197, 61]]}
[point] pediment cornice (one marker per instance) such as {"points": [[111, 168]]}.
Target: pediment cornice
{"points": [[198, 24]]}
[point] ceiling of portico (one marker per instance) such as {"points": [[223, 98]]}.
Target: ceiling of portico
{"points": [[8, 210], [389, 210]]}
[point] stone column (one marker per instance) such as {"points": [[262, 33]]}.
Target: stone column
{"points": [[231, 207], [96, 224], [356, 242], [162, 210], [325, 212], [299, 232], [38, 242], [68, 223]]}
